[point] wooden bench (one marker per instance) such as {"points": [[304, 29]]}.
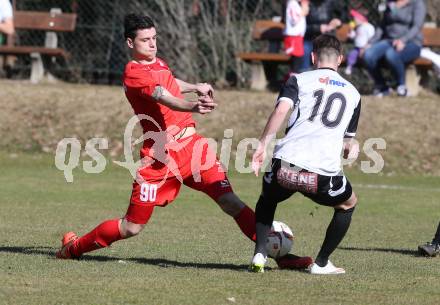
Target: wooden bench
{"points": [[271, 31], [268, 30], [51, 22]]}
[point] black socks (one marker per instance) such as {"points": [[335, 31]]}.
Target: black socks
{"points": [[264, 214], [436, 239], [335, 233]]}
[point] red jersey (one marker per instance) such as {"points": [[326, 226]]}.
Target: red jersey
{"points": [[175, 161], [139, 83]]}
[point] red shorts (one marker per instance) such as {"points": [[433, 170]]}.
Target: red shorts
{"points": [[294, 45], [158, 184]]}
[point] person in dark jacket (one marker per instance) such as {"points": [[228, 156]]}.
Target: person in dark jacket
{"points": [[323, 18], [397, 41]]}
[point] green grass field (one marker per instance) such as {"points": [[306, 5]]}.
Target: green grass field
{"points": [[192, 253]]}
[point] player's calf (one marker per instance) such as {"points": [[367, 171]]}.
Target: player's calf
{"points": [[336, 230], [230, 204], [100, 237], [242, 214]]}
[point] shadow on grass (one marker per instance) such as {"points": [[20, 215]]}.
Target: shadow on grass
{"points": [[30, 250], [165, 263], [161, 262], [399, 251]]}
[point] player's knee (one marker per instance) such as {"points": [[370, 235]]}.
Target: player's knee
{"points": [[133, 230], [129, 229], [391, 55], [354, 200], [349, 204], [230, 204]]}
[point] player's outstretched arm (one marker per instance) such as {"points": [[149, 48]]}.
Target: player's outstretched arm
{"points": [[203, 105], [273, 124], [199, 88]]}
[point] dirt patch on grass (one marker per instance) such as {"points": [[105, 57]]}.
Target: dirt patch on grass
{"points": [[37, 117]]}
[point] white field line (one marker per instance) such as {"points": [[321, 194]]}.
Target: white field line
{"points": [[395, 187]]}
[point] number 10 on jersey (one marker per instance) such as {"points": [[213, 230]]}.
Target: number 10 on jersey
{"points": [[318, 95]]}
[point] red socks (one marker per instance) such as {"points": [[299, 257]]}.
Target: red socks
{"points": [[108, 232], [100, 237], [246, 222]]}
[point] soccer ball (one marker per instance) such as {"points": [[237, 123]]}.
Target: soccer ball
{"points": [[280, 240]]}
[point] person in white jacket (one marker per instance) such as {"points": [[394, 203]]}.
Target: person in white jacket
{"points": [[6, 19], [296, 12]]}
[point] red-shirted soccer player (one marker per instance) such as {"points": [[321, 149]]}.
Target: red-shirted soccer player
{"points": [[168, 155]]}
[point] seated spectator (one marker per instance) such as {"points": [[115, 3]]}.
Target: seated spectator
{"points": [[294, 32], [362, 31], [323, 18], [6, 23], [397, 41]]}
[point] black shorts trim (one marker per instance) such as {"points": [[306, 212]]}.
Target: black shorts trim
{"points": [[329, 191]]}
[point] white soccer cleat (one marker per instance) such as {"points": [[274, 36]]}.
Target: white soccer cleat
{"points": [[327, 269], [258, 262]]}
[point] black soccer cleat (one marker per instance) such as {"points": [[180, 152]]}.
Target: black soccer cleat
{"points": [[429, 249]]}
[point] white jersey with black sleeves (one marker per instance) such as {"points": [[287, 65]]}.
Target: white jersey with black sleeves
{"points": [[326, 108]]}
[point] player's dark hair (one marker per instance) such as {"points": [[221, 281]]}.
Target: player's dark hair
{"points": [[327, 46], [134, 22]]}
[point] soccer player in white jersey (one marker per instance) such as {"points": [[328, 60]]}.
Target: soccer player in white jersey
{"points": [[325, 115]]}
